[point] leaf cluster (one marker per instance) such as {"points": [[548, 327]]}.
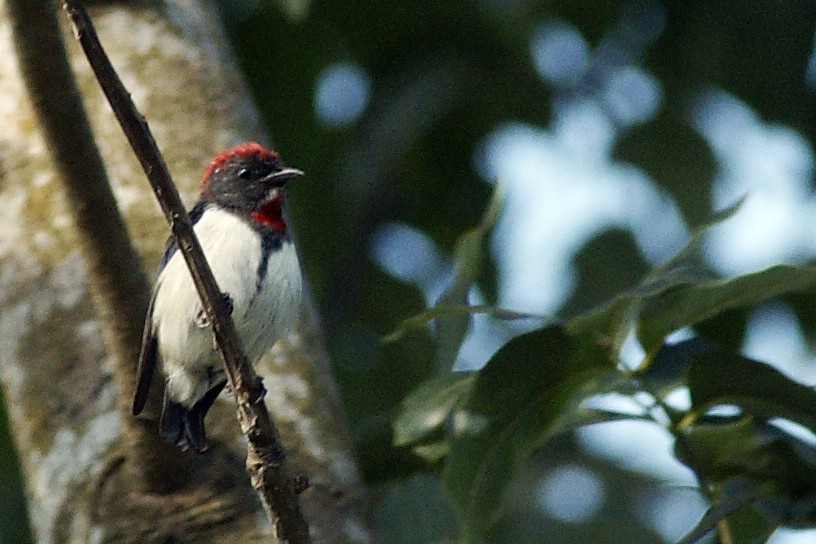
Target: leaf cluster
{"points": [[478, 430]]}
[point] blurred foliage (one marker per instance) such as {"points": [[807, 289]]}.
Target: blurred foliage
{"points": [[442, 76], [488, 424], [509, 410]]}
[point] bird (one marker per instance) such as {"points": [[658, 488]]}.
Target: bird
{"points": [[239, 222]]}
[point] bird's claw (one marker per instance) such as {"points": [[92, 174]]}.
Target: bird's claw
{"points": [[258, 391], [202, 321], [228, 302]]}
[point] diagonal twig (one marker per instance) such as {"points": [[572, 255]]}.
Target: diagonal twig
{"points": [[265, 454]]}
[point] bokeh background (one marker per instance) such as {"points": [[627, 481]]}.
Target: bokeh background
{"points": [[615, 127]]}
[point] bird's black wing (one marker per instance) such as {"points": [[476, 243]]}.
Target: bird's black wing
{"points": [[148, 357], [147, 360]]}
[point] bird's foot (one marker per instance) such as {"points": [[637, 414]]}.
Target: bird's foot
{"points": [[228, 302], [257, 392], [202, 321]]}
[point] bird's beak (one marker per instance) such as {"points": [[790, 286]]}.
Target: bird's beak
{"points": [[283, 176]]}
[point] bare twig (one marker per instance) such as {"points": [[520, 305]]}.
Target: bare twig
{"points": [[725, 532], [265, 456]]}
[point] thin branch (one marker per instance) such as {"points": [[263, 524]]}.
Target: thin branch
{"points": [[725, 532], [265, 455]]}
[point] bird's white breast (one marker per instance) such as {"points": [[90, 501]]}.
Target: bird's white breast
{"points": [[263, 311]]}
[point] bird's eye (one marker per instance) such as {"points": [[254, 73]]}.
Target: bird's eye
{"points": [[244, 173]]}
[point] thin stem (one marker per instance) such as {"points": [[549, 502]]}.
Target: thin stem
{"points": [[725, 532]]}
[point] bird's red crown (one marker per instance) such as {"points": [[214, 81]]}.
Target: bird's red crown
{"points": [[245, 150]]}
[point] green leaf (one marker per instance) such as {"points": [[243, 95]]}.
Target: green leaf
{"points": [[575, 414], [514, 403], [690, 302], [420, 320], [688, 254], [723, 450], [751, 447], [581, 417], [416, 511], [421, 418], [739, 493], [748, 526], [615, 319], [432, 452], [721, 377], [668, 369], [451, 330], [423, 412], [618, 317]]}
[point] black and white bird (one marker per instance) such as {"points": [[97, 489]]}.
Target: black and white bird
{"points": [[239, 222]]}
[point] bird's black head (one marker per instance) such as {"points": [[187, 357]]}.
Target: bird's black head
{"points": [[246, 179]]}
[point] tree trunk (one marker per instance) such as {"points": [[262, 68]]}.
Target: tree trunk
{"points": [[93, 473]]}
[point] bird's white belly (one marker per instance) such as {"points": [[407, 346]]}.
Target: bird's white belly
{"points": [[263, 311]]}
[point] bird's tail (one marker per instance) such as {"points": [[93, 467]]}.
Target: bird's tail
{"points": [[184, 426]]}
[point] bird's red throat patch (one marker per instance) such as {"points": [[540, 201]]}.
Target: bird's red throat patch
{"points": [[271, 215]]}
